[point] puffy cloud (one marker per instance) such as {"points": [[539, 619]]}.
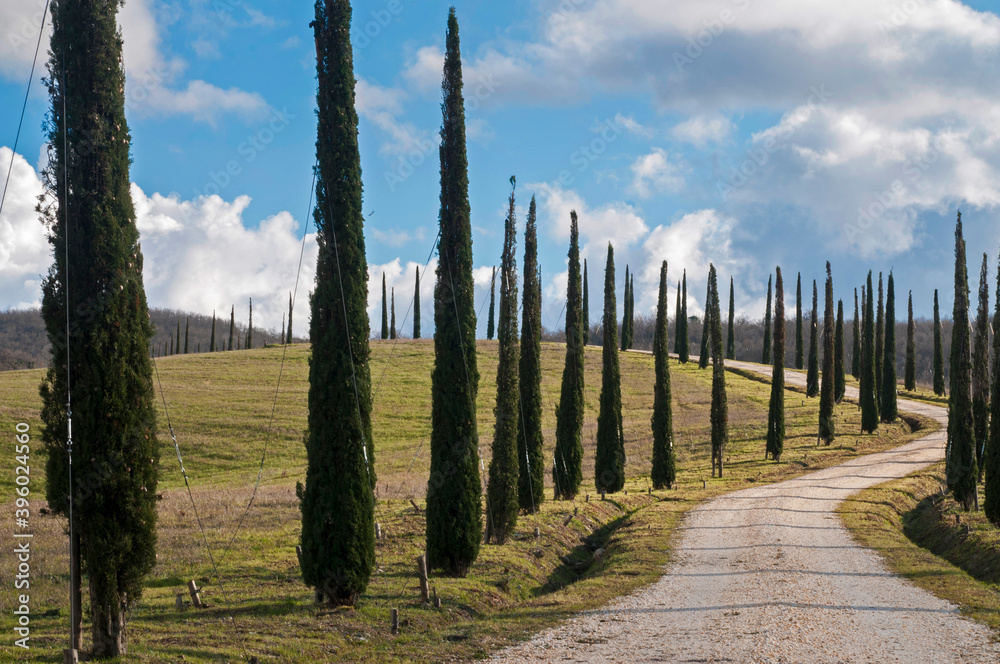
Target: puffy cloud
{"points": [[701, 130], [383, 106], [655, 173], [24, 249]]}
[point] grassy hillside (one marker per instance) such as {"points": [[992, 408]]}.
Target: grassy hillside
{"points": [[220, 405]]}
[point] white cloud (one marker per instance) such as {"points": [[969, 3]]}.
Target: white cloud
{"points": [[383, 106], [655, 173], [701, 130], [396, 237], [615, 223], [24, 249], [634, 127]]}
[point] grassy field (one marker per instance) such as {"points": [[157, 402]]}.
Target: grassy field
{"points": [[926, 537], [220, 406]]}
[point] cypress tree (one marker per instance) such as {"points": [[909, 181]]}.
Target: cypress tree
{"points": [[97, 267], [719, 410], [232, 326], [631, 312], [766, 353], [960, 466], [178, 346], [586, 306], [812, 374], [282, 328], [249, 344], [879, 343], [910, 373], [288, 335], [502, 491], [706, 328], [530, 442], [609, 465], [337, 501], [840, 383], [677, 321], [776, 408], [211, 343], [187, 334], [991, 460], [392, 314], [731, 332], [856, 341], [171, 345], [454, 497], [938, 352], [682, 336], [981, 369], [385, 311], [827, 392], [625, 314], [798, 322], [491, 320], [664, 471], [416, 305], [567, 469], [887, 404], [869, 406]]}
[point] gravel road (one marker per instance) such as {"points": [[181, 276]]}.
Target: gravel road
{"points": [[770, 575]]}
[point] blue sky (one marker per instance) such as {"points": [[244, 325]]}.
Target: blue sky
{"points": [[860, 127]]}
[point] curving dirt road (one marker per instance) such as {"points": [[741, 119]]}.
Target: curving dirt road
{"points": [[770, 575]]}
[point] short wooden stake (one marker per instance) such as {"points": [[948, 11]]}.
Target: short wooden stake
{"points": [[378, 530], [179, 602], [195, 595], [538, 532], [576, 510], [437, 600], [254, 660], [394, 620], [602, 495], [298, 554], [70, 656], [588, 498], [567, 520], [422, 574], [704, 484]]}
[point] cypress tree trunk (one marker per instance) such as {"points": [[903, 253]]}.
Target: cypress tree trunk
{"points": [[288, 335], [869, 406], [981, 369], [887, 404], [567, 469], [706, 329], [991, 501], [232, 326], [879, 342], [250, 328], [677, 322], [664, 471], [337, 501], [827, 392], [719, 410], [812, 373], [586, 306], [502, 498], [609, 466], [856, 341], [491, 320], [416, 304], [625, 316], [187, 334], [392, 314], [766, 352], [682, 337], [454, 496], [211, 343], [385, 311], [731, 332], [938, 352], [97, 267], [961, 458], [530, 441], [798, 322], [840, 383], [910, 373], [776, 408]]}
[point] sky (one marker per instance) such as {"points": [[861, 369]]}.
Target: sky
{"points": [[744, 133]]}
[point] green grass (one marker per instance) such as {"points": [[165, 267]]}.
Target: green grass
{"points": [[220, 405], [913, 526]]}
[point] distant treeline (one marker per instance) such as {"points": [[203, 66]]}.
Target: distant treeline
{"points": [[24, 345]]}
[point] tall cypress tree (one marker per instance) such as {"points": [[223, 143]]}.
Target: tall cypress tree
{"points": [[491, 317], [731, 332], [392, 314], [887, 404], [960, 467], [530, 442], [719, 410], [288, 335], [682, 336], [664, 471], [910, 372], [706, 328], [828, 395], [416, 304], [869, 406], [609, 465], [991, 458], [625, 314], [249, 343], [177, 348], [766, 352], [187, 334], [812, 373], [232, 326], [337, 500], [385, 311], [677, 322], [799, 349], [856, 341], [879, 342], [631, 312], [938, 352], [106, 367], [502, 499], [776, 407], [454, 497], [981, 368], [171, 345], [840, 383], [586, 306], [567, 469]]}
